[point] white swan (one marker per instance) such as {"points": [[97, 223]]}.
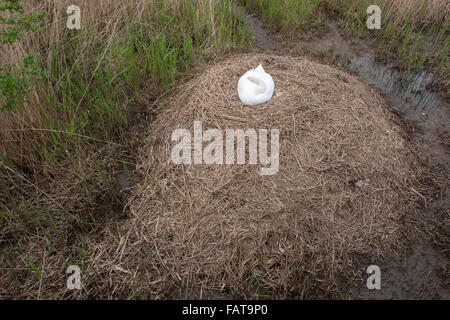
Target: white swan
{"points": [[255, 86]]}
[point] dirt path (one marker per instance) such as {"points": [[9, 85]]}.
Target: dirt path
{"points": [[421, 271]]}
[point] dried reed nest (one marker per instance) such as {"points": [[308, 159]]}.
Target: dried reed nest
{"points": [[345, 184]]}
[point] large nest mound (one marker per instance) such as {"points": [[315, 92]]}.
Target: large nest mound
{"points": [[345, 183]]}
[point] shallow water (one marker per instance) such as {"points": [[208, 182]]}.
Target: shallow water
{"points": [[411, 88], [408, 93]]}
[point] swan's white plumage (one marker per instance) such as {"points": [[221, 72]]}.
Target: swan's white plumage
{"points": [[255, 86]]}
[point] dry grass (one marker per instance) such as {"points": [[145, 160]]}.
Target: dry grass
{"points": [[210, 231], [436, 10], [215, 231], [197, 231], [427, 10]]}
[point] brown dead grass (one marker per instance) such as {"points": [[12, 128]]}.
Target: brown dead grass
{"points": [[216, 231], [436, 10], [210, 231]]}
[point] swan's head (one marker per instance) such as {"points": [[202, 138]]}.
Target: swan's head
{"points": [[259, 68]]}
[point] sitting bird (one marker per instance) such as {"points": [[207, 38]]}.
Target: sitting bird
{"points": [[255, 86]]}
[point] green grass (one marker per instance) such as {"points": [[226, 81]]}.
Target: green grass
{"points": [[33, 266], [291, 17]]}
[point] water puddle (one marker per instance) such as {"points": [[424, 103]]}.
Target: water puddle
{"points": [[413, 88], [408, 93]]}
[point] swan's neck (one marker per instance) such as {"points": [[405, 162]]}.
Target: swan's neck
{"points": [[261, 86]]}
